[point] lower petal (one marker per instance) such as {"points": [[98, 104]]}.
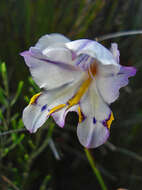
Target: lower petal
{"points": [[36, 113], [60, 115], [93, 131], [51, 102], [91, 134]]}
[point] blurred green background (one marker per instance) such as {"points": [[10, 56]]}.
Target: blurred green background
{"points": [[52, 158]]}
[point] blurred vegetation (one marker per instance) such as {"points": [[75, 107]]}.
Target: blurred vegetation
{"points": [[52, 158]]}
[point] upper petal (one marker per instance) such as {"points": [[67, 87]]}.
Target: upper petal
{"points": [[109, 85], [48, 73], [51, 40], [93, 49]]}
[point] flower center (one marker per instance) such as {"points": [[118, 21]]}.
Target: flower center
{"points": [[92, 71], [77, 97], [84, 87]]}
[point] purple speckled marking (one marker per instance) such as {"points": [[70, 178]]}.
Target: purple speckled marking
{"points": [[94, 120], [44, 107], [104, 122]]}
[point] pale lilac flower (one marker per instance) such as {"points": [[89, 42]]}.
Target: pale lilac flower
{"points": [[81, 76]]}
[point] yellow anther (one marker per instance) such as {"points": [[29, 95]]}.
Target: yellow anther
{"points": [[110, 120], [80, 115], [56, 108], [34, 98], [84, 87]]}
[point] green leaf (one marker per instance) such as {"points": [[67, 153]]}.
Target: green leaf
{"points": [[15, 143], [4, 77], [19, 89], [3, 99]]}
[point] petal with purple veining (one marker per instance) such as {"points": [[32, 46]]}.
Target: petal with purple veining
{"points": [[108, 86], [49, 74]]}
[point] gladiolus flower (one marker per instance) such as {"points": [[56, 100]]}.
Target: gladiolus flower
{"points": [[81, 76]]}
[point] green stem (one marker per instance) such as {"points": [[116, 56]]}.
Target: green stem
{"points": [[95, 170]]}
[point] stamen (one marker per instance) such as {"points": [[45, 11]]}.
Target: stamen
{"points": [[34, 98]]}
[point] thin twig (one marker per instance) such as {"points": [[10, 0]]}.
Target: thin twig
{"points": [[12, 131], [9, 182], [36, 153], [117, 34], [124, 151], [54, 150]]}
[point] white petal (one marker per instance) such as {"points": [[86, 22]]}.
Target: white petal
{"points": [[58, 54], [109, 85], [93, 49], [92, 132], [68, 93], [51, 40], [49, 74], [78, 45], [35, 114], [60, 115], [92, 135], [94, 105]]}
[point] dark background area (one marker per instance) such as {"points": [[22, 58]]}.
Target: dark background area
{"points": [[29, 162]]}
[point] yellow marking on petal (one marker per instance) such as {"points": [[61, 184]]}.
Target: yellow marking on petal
{"points": [[83, 88], [110, 120], [56, 108], [80, 115], [34, 98]]}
